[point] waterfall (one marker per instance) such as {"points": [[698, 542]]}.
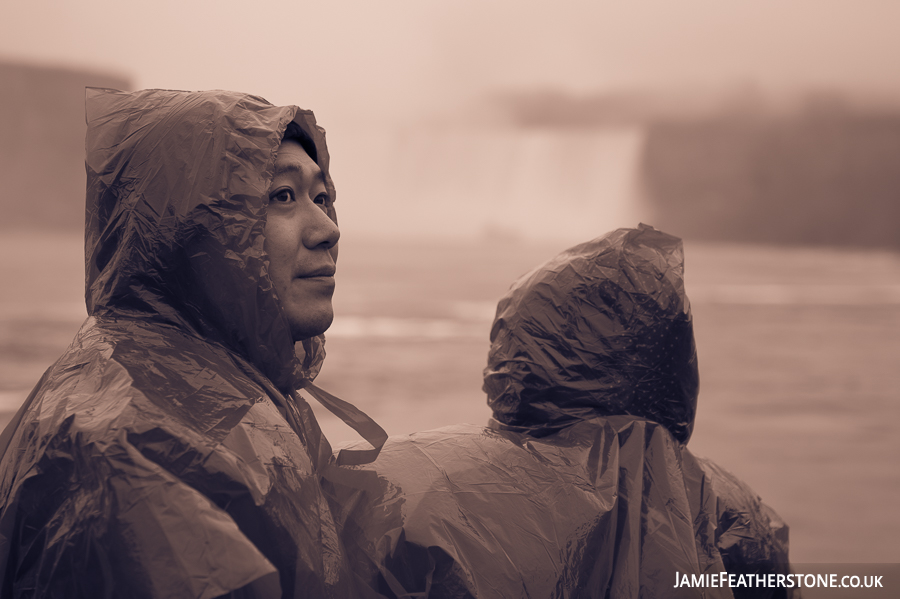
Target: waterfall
{"points": [[522, 183]]}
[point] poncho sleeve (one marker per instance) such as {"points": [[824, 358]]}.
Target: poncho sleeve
{"points": [[750, 536]]}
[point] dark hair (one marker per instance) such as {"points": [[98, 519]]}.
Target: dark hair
{"points": [[295, 133]]}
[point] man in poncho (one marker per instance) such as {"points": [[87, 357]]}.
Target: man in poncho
{"points": [[582, 485], [167, 453]]}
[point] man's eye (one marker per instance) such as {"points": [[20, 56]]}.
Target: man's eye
{"points": [[323, 199], [282, 196]]}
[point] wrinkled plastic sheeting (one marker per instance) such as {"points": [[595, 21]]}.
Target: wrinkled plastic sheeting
{"points": [[604, 328], [608, 507], [121, 492], [751, 537]]}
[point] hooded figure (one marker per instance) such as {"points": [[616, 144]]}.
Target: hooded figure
{"points": [[581, 486], [167, 453]]}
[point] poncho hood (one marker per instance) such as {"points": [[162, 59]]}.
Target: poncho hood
{"points": [[177, 186], [602, 329]]}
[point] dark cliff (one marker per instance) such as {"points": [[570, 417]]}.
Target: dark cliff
{"points": [[42, 144]]}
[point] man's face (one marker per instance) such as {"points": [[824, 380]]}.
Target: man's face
{"points": [[301, 241]]}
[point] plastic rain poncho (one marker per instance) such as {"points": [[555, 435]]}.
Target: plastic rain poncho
{"points": [[581, 486], [166, 453]]}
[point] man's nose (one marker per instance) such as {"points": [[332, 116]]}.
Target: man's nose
{"points": [[319, 230]]}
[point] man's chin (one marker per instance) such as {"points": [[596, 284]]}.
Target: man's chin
{"points": [[311, 325]]}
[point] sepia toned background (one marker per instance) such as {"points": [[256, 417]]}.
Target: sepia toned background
{"points": [[473, 140]]}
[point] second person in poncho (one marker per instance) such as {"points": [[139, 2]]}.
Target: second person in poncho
{"points": [[582, 485]]}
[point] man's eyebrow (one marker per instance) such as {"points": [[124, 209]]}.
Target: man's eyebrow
{"points": [[293, 167]]}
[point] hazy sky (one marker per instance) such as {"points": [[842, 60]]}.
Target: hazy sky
{"points": [[400, 59]]}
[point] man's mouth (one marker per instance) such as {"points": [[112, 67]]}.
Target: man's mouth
{"points": [[325, 271]]}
